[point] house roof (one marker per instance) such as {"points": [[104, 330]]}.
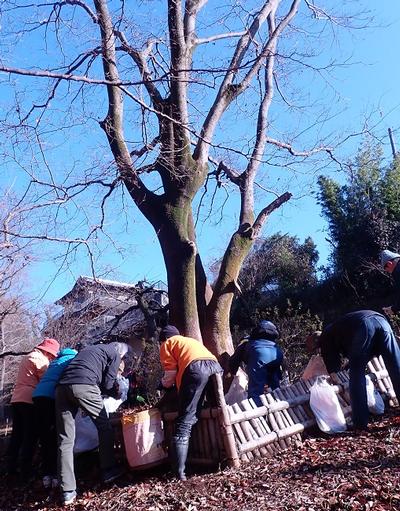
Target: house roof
{"points": [[108, 285]]}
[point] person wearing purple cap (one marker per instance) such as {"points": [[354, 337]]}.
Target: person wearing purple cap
{"points": [[389, 262], [24, 433]]}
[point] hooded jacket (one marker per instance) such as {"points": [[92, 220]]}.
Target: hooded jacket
{"points": [[31, 369], [47, 385], [94, 365]]}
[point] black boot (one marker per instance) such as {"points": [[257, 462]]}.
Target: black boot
{"points": [[180, 447]]}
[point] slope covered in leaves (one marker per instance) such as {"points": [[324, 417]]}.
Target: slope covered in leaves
{"points": [[346, 472]]}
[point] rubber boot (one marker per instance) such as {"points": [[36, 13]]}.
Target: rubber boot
{"points": [[180, 447]]}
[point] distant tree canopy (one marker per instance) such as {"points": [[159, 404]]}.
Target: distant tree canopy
{"points": [[363, 214], [278, 267], [363, 217]]}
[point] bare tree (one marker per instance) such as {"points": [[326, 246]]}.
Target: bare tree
{"points": [[175, 92], [18, 324]]}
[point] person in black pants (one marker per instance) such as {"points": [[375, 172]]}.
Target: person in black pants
{"points": [[359, 336], [90, 374], [188, 364], [44, 404], [23, 440]]}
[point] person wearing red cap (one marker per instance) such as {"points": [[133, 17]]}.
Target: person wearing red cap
{"points": [[23, 436]]}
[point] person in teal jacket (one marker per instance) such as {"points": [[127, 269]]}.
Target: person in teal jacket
{"points": [[44, 403]]}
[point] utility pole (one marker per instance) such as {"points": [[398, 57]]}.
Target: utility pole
{"points": [[392, 142]]}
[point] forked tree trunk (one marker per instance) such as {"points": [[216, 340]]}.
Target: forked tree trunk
{"points": [[217, 334], [180, 256]]}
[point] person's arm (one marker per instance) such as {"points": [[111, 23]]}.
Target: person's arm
{"points": [[237, 358], [169, 364], [110, 375], [330, 354], [395, 307]]}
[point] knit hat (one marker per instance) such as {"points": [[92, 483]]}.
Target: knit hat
{"points": [[50, 346], [167, 332], [388, 255], [265, 330]]}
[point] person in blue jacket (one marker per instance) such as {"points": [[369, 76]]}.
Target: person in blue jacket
{"points": [[263, 359], [44, 405]]}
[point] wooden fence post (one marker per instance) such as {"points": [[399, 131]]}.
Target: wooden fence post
{"points": [[225, 423]]}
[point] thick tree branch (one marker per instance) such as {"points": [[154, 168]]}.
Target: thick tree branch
{"points": [[264, 213], [180, 62], [218, 37], [222, 99], [113, 122]]}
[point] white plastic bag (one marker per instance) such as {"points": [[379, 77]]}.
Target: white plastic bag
{"points": [[326, 408], [238, 390], [376, 405], [315, 367], [110, 404]]}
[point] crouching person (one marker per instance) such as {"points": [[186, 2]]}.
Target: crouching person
{"points": [[189, 365], [90, 374], [263, 360]]}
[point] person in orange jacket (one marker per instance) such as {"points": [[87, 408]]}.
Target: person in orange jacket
{"points": [[24, 432], [188, 364]]}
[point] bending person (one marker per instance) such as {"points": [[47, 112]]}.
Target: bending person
{"points": [[44, 402], [263, 359], [359, 336], [188, 364], [24, 432], [90, 374]]}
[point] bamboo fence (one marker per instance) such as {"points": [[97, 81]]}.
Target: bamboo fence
{"points": [[243, 431]]}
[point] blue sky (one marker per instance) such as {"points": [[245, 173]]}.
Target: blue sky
{"points": [[366, 87]]}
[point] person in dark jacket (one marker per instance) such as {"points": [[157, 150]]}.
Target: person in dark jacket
{"points": [[263, 359], [44, 403], [90, 374], [359, 336], [390, 263]]}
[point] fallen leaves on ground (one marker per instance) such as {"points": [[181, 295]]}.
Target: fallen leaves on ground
{"points": [[348, 472]]}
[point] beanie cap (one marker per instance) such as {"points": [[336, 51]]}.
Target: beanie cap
{"points": [[265, 330], [167, 332], [49, 346], [388, 255]]}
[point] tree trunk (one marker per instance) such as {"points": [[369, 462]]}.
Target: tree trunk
{"points": [[217, 334], [180, 255]]}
